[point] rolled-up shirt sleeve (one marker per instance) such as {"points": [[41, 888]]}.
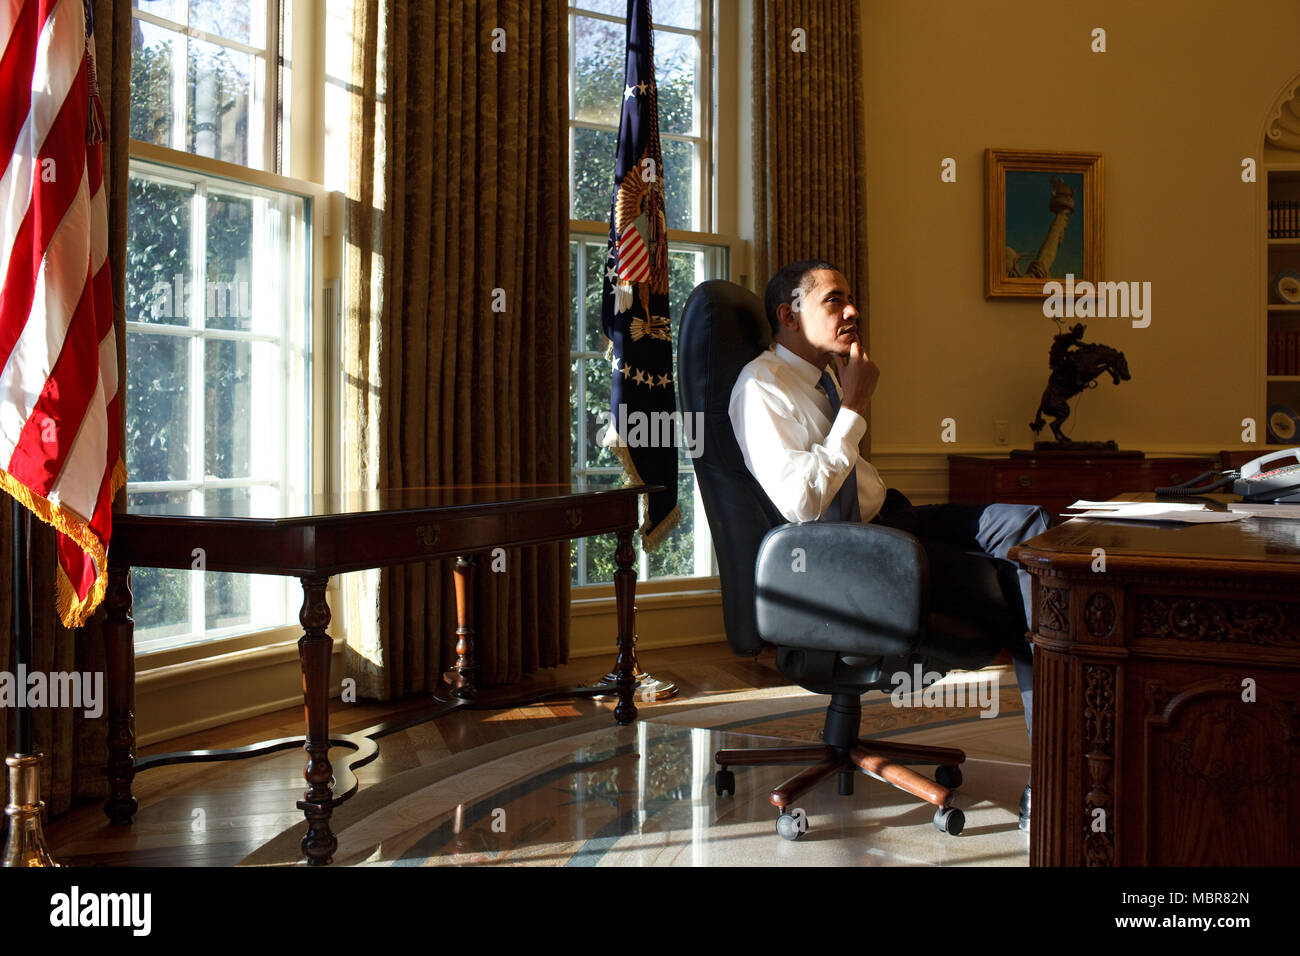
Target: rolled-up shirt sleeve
{"points": [[800, 474]]}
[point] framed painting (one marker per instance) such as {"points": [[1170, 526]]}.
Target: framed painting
{"points": [[1043, 219]]}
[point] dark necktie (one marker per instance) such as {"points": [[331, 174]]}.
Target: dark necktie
{"points": [[845, 506]]}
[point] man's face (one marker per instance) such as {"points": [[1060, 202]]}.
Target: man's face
{"points": [[827, 317]]}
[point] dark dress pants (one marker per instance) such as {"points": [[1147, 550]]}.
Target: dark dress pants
{"points": [[970, 575]]}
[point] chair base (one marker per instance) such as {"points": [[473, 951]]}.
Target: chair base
{"points": [[844, 753], [881, 759]]}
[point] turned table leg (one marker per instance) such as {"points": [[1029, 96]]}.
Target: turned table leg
{"points": [[624, 596], [119, 648], [314, 651], [461, 675]]}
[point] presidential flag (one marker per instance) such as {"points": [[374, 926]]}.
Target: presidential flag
{"points": [[59, 404], [643, 428]]}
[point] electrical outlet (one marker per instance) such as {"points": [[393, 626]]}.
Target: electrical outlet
{"points": [[1001, 430]]}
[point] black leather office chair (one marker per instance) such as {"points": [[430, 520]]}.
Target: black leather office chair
{"points": [[845, 617]]}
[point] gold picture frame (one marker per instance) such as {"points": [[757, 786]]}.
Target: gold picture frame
{"points": [[1043, 216]]}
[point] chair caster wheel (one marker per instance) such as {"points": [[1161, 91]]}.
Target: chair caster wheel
{"points": [[724, 782], [788, 827], [950, 820], [949, 775]]}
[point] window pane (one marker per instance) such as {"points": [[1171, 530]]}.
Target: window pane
{"points": [[151, 82], [593, 173], [157, 406], [600, 67], [218, 106], [157, 251], [575, 414], [241, 20], [616, 8], [228, 295], [676, 13], [160, 603], [681, 185], [675, 63], [228, 420], [685, 272], [676, 555], [600, 547], [672, 13], [598, 385], [594, 288], [173, 10], [226, 596], [573, 295]]}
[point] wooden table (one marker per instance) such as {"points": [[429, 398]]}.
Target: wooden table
{"points": [[328, 536], [1166, 693]]}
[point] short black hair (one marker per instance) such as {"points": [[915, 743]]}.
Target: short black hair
{"points": [[781, 287]]}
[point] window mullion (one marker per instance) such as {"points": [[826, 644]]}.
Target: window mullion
{"points": [[195, 305], [180, 87]]}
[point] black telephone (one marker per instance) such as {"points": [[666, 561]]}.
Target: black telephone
{"points": [[1273, 478]]}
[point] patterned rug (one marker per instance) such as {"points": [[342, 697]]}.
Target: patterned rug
{"points": [[589, 793]]}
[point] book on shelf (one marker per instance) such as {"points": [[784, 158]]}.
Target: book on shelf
{"points": [[1283, 219]]}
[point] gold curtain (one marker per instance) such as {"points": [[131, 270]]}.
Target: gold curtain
{"points": [[810, 193], [458, 202], [74, 746]]}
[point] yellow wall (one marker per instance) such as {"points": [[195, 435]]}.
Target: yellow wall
{"points": [[1174, 105]]}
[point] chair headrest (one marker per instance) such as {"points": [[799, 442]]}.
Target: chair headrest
{"points": [[723, 328]]}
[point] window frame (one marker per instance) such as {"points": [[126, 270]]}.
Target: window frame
{"points": [[716, 60], [299, 85]]}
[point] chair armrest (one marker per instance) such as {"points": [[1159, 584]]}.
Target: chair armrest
{"points": [[841, 586]]}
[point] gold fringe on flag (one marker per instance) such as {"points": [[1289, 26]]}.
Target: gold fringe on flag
{"points": [[73, 611], [651, 538]]}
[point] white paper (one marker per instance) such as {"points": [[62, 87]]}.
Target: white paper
{"points": [[1267, 510], [1139, 505], [1154, 511]]}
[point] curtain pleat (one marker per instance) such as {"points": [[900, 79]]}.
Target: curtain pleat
{"points": [[460, 153], [810, 193]]}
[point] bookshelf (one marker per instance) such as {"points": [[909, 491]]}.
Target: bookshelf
{"points": [[1282, 319]]}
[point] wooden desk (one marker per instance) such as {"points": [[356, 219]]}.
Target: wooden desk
{"points": [[1145, 752], [1055, 480], [328, 536]]}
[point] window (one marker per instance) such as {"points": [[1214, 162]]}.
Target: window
{"points": [[221, 319], [218, 326], [683, 52], [200, 75]]}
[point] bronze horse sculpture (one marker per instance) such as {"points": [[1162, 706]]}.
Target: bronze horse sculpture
{"points": [[1076, 365]]}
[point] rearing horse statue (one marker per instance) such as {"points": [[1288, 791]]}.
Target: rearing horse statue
{"points": [[1076, 365]]}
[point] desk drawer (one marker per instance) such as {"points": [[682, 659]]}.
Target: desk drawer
{"points": [[1095, 482], [571, 521]]}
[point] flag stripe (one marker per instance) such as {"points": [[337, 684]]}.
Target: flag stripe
{"points": [[51, 203], [42, 336], [59, 414], [17, 60], [60, 52], [9, 12]]}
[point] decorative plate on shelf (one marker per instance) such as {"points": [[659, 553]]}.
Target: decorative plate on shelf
{"points": [[1283, 425], [1287, 286]]}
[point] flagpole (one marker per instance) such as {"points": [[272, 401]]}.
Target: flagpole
{"points": [[25, 843]]}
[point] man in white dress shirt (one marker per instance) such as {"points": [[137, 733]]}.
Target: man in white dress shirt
{"points": [[800, 438]]}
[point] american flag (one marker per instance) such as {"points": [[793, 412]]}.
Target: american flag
{"points": [[60, 410]]}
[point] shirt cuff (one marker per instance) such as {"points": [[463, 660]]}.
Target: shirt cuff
{"points": [[848, 427]]}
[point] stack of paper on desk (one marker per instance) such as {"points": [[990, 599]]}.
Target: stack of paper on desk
{"points": [[1154, 511], [1267, 510]]}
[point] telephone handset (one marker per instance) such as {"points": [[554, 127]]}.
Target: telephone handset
{"points": [[1274, 478]]}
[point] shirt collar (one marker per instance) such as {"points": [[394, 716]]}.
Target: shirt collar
{"points": [[802, 367]]}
